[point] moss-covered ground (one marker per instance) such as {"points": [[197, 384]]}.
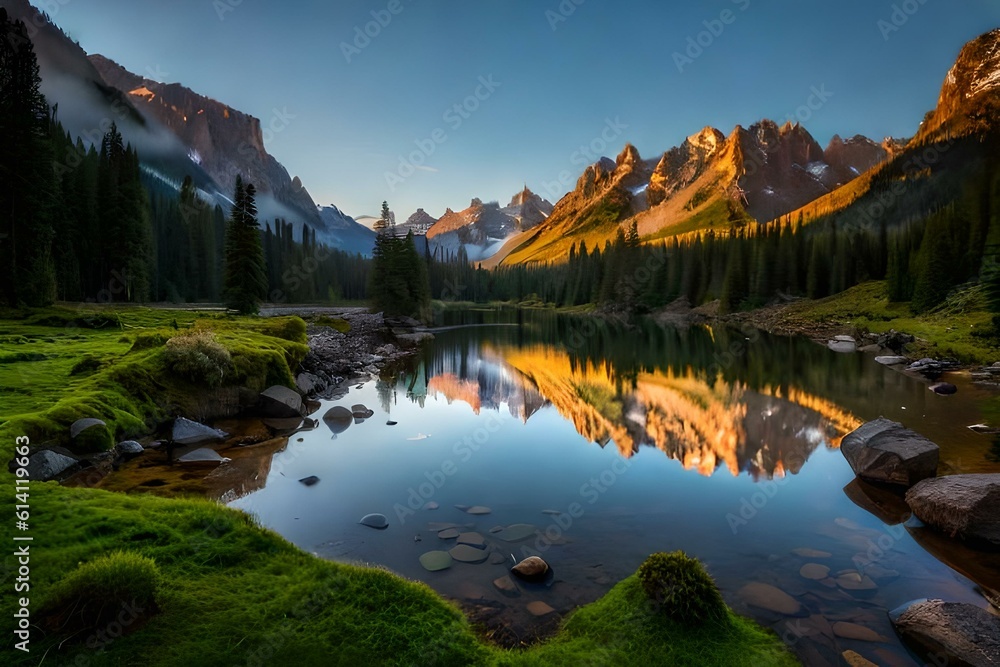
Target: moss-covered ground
{"points": [[232, 593]]}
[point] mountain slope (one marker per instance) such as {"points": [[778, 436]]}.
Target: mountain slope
{"points": [[945, 152], [709, 181], [345, 233], [224, 141]]}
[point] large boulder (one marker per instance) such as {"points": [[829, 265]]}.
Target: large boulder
{"points": [[958, 635], [532, 568], [46, 465], [964, 505], [281, 402], [884, 451], [187, 432]]}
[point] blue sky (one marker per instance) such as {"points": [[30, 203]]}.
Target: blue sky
{"points": [[534, 81]]}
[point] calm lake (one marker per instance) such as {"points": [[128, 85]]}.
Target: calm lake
{"points": [[612, 443]]}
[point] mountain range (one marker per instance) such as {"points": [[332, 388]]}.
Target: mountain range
{"points": [[711, 181], [766, 172]]}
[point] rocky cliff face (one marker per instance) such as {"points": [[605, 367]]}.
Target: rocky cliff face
{"points": [[970, 97], [528, 209], [420, 222], [224, 141]]}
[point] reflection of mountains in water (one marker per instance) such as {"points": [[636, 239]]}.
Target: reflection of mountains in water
{"points": [[765, 433]]}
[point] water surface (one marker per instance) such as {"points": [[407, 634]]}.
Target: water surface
{"points": [[618, 442]]}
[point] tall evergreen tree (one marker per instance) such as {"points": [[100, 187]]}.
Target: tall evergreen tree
{"points": [[28, 191], [245, 279]]}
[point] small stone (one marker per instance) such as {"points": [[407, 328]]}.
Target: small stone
{"points": [[539, 608], [448, 534], [202, 457], [857, 632], [463, 553], [377, 521], [478, 510], [517, 532], [532, 568], [391, 423], [312, 480], [473, 540], [771, 598], [431, 506], [497, 558], [338, 418], [496, 529], [814, 571], [856, 660], [854, 581], [128, 448], [506, 586], [435, 561], [811, 553], [552, 512]]}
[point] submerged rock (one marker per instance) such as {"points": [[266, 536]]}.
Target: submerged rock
{"points": [[964, 505], [312, 480], [771, 598], [435, 561], [517, 532], [506, 586], [539, 608], [473, 540], [814, 571], [376, 521], [884, 451], [960, 634], [202, 456], [187, 432], [463, 553], [857, 632], [944, 389]]}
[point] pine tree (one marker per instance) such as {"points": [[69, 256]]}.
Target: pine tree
{"points": [[28, 191], [245, 281]]}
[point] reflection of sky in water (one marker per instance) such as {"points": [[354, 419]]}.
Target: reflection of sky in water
{"points": [[516, 427]]}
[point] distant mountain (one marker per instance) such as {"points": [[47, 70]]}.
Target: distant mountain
{"points": [[343, 232], [224, 141], [758, 173], [420, 222], [483, 228]]}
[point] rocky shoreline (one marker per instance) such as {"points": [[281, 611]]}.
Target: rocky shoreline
{"points": [[337, 360]]}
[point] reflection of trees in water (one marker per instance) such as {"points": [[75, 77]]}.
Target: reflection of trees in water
{"points": [[993, 456]]}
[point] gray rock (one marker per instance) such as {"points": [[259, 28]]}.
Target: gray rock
{"points": [[532, 568], [312, 480], [128, 448], [338, 418], [376, 521], [281, 402], [884, 451], [308, 383], [81, 425], [843, 346], [414, 339], [361, 411], [202, 457], [962, 635], [187, 432], [892, 361], [46, 465], [965, 505]]}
